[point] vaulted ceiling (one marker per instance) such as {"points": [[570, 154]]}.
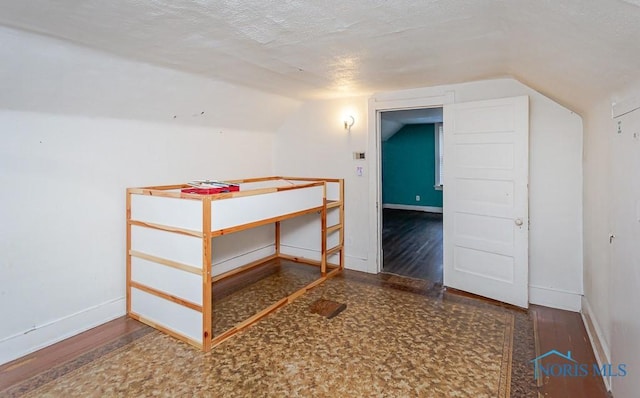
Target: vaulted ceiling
{"points": [[575, 51], [392, 121]]}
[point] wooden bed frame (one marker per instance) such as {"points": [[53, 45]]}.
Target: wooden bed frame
{"points": [[169, 247]]}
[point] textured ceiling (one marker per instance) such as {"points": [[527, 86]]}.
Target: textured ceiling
{"points": [[575, 51]]}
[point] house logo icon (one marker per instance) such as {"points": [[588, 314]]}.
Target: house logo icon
{"points": [[563, 365], [537, 365]]}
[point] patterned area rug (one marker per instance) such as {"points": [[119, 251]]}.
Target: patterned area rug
{"points": [[387, 343], [271, 282]]}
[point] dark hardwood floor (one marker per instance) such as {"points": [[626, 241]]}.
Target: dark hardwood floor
{"points": [[73, 352], [564, 329], [412, 244]]}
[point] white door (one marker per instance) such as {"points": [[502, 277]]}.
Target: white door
{"points": [[486, 158], [624, 270]]}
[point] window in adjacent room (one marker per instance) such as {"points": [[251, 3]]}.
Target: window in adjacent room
{"points": [[439, 137]]}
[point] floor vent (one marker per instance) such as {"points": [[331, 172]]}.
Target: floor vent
{"points": [[327, 308]]}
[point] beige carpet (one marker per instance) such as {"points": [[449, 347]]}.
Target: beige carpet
{"points": [[387, 343]]}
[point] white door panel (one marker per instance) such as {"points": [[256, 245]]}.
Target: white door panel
{"points": [[486, 157], [624, 271]]}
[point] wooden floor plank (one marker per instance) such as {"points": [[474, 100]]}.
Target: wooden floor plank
{"points": [[44, 359], [564, 331], [412, 244]]}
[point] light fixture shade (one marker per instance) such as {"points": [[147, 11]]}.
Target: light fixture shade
{"points": [[349, 120]]}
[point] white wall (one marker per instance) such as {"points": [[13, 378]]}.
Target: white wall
{"points": [[41, 74], [76, 128], [612, 205], [598, 129], [314, 143]]}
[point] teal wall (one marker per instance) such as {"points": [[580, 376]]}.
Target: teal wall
{"points": [[408, 167]]}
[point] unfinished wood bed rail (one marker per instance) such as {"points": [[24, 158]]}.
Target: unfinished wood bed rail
{"points": [[170, 256]]}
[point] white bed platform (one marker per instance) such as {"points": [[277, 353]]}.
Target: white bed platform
{"points": [[170, 241]]}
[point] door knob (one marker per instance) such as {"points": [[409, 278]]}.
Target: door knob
{"points": [[518, 221]]}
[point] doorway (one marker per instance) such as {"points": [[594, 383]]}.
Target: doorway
{"points": [[485, 224], [411, 185]]}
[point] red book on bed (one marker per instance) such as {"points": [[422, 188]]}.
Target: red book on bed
{"points": [[206, 187]]}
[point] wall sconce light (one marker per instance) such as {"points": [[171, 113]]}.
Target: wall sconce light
{"points": [[348, 123]]}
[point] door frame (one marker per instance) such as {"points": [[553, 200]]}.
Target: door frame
{"points": [[378, 103]]}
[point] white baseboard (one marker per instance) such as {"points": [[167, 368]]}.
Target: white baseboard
{"points": [[24, 343], [428, 209], [599, 345], [300, 252], [352, 263], [555, 298], [243, 259]]}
